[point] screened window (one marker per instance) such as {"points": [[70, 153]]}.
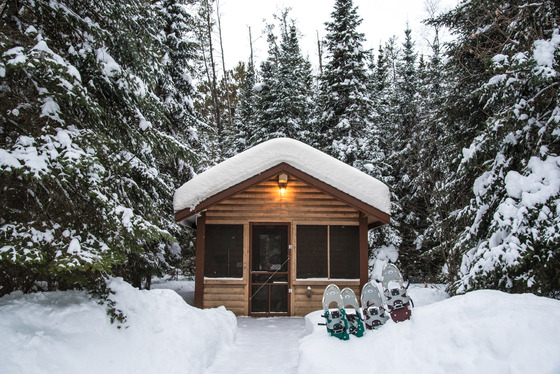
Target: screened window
{"points": [[223, 256], [312, 252], [328, 252], [345, 252]]}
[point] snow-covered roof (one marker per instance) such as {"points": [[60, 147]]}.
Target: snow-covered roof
{"points": [[269, 154]]}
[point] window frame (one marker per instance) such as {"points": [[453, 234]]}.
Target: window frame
{"points": [[329, 252], [238, 255]]}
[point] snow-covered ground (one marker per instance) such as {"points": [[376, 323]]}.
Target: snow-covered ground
{"points": [[263, 346], [481, 332], [68, 333], [183, 286]]}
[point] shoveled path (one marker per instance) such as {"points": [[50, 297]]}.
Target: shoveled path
{"points": [[263, 345]]}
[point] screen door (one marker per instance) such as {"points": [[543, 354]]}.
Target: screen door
{"points": [[269, 269]]}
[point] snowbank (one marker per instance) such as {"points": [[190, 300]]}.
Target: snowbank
{"points": [[67, 332], [183, 286], [424, 295], [480, 332], [272, 153]]}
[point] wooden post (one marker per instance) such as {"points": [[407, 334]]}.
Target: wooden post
{"points": [[363, 232], [199, 263]]}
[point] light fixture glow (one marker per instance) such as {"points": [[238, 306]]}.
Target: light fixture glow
{"points": [[283, 183]]}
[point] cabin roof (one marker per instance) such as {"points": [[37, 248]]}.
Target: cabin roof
{"points": [[281, 154]]}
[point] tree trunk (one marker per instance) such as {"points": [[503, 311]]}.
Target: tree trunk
{"points": [[228, 96], [213, 81], [320, 52]]}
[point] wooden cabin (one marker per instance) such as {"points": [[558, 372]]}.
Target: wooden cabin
{"points": [[276, 224]]}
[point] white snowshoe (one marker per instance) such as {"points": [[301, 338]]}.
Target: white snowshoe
{"points": [[398, 302], [372, 307], [337, 325], [355, 324]]}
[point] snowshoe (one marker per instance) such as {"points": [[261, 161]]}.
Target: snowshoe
{"points": [[337, 324], [372, 307], [398, 302], [355, 324]]}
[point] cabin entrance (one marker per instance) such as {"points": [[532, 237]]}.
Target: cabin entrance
{"points": [[270, 276]]}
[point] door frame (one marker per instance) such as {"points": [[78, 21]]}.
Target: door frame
{"points": [[289, 275]]}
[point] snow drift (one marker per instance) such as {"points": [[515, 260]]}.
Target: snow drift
{"points": [[480, 332], [68, 333]]}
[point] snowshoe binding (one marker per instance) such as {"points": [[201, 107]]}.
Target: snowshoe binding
{"points": [[337, 325], [355, 324], [372, 307], [398, 302]]}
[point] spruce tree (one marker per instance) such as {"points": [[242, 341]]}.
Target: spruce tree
{"points": [[432, 167], [296, 84], [266, 119], [344, 106], [385, 241], [506, 57], [88, 157], [283, 102], [238, 137], [401, 125], [216, 146]]}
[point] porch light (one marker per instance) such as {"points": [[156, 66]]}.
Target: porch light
{"points": [[282, 182]]}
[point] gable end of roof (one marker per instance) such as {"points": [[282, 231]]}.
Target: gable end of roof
{"points": [[378, 217]]}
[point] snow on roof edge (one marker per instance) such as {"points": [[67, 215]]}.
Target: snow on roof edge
{"points": [[271, 153]]}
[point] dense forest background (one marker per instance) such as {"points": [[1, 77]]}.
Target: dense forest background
{"points": [[106, 107]]}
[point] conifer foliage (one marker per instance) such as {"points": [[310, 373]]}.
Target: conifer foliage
{"points": [[279, 104], [99, 124], [344, 106], [512, 238], [244, 113], [91, 140]]}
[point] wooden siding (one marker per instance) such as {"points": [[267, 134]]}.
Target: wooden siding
{"points": [[300, 202], [232, 296], [305, 304]]}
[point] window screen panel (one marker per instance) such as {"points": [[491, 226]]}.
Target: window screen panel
{"points": [[278, 298], [345, 252], [312, 252], [270, 248], [223, 256], [260, 299]]}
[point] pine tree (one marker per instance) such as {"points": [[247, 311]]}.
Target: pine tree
{"points": [[266, 121], [238, 137], [401, 125], [506, 57], [283, 97], [385, 241], [175, 85], [436, 160], [218, 146], [380, 83], [88, 162], [295, 92], [210, 103], [344, 107]]}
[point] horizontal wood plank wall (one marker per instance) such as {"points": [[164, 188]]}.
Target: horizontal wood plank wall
{"points": [[229, 295], [300, 204], [305, 304]]}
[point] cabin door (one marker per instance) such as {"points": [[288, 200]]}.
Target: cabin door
{"points": [[269, 269]]}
